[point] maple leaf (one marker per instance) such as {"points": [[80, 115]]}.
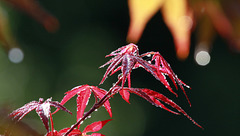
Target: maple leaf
{"points": [[53, 133], [163, 68], [156, 99], [74, 132], [130, 58], [176, 15], [83, 93], [125, 55], [42, 108], [94, 127]]}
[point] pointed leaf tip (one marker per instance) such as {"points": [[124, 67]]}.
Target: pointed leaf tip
{"points": [[155, 98], [96, 126], [141, 12], [82, 101], [125, 95]]}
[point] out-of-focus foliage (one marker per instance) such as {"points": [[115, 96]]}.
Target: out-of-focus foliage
{"points": [[217, 17], [183, 16], [30, 7], [7, 40], [33, 8]]}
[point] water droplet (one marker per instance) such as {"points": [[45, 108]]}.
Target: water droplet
{"points": [[149, 55]]}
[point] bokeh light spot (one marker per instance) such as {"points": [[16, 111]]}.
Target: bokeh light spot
{"points": [[202, 58], [15, 55]]}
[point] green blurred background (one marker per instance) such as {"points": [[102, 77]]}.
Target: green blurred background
{"points": [[89, 29]]}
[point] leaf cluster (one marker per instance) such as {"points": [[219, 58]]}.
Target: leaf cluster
{"points": [[125, 59]]}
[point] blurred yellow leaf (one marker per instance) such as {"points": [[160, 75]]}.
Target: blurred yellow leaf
{"points": [[176, 16], [219, 17], [179, 21], [141, 12]]}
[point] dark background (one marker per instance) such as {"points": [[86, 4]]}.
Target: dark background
{"points": [[91, 29]]}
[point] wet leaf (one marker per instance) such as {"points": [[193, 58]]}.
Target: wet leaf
{"points": [[156, 99], [74, 132], [42, 108], [128, 58], [96, 126], [124, 55], [83, 94]]}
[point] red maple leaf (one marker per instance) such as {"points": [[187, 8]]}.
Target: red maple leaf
{"points": [[130, 58], [43, 109], [94, 127], [164, 69], [84, 93], [154, 98]]}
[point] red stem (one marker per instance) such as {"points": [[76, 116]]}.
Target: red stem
{"points": [[51, 119]]}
